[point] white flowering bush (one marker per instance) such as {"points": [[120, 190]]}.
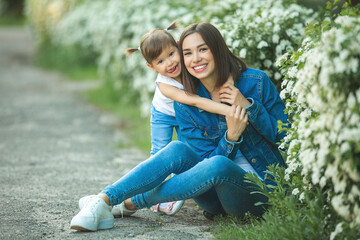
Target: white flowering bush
{"points": [[44, 15], [322, 88], [262, 31]]}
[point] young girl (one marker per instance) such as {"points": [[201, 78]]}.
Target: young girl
{"points": [[161, 53]]}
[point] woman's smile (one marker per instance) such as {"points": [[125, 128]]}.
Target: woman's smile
{"points": [[200, 68]]}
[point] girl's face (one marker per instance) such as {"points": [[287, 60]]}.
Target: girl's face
{"points": [[198, 58], [168, 63]]}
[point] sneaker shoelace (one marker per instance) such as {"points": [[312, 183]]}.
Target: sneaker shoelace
{"points": [[122, 205], [92, 206]]}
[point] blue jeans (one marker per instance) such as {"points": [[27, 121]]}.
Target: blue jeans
{"points": [[216, 184], [162, 127]]}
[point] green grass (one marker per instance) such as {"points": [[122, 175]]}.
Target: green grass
{"points": [[231, 227], [132, 123], [74, 62], [12, 21]]}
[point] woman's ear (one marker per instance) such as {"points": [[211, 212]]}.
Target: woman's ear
{"points": [[150, 66]]}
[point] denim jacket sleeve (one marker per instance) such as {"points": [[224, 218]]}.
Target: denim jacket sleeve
{"points": [[264, 115], [205, 146]]}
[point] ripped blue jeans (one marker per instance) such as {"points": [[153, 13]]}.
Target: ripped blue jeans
{"points": [[216, 184]]}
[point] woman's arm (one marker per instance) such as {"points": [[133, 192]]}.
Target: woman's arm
{"points": [[202, 139], [181, 96]]}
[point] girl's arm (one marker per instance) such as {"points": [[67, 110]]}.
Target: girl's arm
{"points": [[181, 96]]}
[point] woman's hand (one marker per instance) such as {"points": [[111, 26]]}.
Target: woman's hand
{"points": [[230, 94], [236, 120]]}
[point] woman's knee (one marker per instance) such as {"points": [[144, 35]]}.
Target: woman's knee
{"points": [[179, 148], [219, 165], [177, 151]]}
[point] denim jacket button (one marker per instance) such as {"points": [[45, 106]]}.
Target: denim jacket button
{"points": [[253, 160]]}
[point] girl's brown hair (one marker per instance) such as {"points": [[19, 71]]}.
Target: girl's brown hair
{"points": [[225, 61], [153, 43]]}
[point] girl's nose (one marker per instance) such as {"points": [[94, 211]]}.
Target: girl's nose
{"points": [[169, 62]]}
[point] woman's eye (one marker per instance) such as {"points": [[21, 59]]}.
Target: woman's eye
{"points": [[172, 53], [186, 53], [203, 49]]}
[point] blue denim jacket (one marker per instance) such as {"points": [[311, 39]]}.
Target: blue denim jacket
{"points": [[206, 132]]}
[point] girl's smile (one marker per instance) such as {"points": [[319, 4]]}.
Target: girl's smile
{"points": [[174, 69]]}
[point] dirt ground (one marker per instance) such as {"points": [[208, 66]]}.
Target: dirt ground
{"points": [[55, 148]]}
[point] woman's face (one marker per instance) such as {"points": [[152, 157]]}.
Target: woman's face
{"points": [[168, 63], [198, 58]]}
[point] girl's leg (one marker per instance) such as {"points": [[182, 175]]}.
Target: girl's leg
{"points": [[176, 158], [162, 126], [218, 173]]}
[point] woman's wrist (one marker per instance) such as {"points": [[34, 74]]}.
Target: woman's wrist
{"points": [[232, 137]]}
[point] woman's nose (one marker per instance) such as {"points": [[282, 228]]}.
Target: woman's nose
{"points": [[196, 57]]}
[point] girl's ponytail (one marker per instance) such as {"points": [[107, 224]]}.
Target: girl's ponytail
{"points": [[172, 26], [130, 51], [153, 42]]}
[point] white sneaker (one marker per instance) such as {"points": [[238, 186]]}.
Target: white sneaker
{"points": [[169, 208], [118, 210], [94, 215], [121, 210]]}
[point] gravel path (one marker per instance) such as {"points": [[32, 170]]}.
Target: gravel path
{"points": [[56, 148]]}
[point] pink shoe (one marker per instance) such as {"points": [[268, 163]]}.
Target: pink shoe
{"points": [[170, 209]]}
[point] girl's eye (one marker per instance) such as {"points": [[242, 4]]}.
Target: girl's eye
{"points": [[187, 53], [160, 62], [203, 49], [172, 53]]}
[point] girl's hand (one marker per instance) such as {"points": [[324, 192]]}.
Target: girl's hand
{"points": [[236, 120], [230, 94]]}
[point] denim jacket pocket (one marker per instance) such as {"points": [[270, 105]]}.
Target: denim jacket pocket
{"points": [[210, 133]]}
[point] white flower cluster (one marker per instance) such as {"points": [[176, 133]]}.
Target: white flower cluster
{"points": [[324, 100], [262, 31]]}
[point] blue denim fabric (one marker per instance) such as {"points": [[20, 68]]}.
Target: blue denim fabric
{"points": [[216, 184], [205, 132], [162, 126]]}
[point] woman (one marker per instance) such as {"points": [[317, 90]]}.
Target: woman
{"points": [[217, 151]]}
